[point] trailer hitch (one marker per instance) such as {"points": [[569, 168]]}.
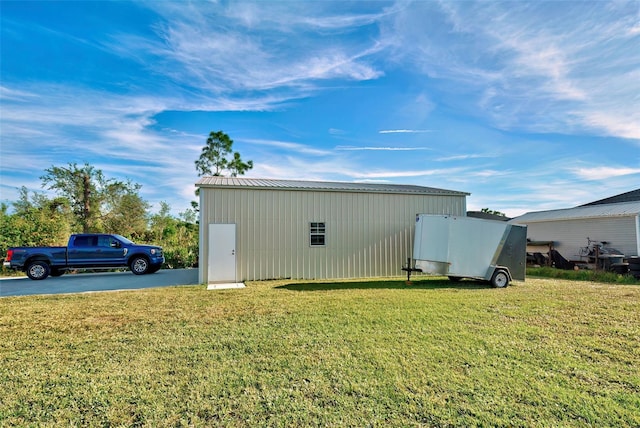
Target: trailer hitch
{"points": [[410, 267]]}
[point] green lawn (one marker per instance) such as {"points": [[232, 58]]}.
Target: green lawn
{"points": [[544, 352]]}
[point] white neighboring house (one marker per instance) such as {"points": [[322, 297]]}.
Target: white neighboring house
{"points": [[257, 229], [616, 223]]}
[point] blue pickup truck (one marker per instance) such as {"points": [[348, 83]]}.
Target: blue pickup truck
{"points": [[85, 251]]}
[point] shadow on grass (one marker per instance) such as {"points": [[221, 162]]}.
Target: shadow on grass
{"points": [[421, 284]]}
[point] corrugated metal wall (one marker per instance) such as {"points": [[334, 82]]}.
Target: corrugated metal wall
{"points": [[367, 234], [570, 235]]}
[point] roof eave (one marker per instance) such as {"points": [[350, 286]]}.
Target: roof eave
{"points": [[307, 189], [415, 190]]}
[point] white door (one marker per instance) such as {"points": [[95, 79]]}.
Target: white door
{"points": [[222, 253]]}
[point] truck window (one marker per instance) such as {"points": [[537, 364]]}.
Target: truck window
{"points": [[85, 241], [105, 241], [81, 241]]}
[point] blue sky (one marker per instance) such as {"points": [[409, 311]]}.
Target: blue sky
{"points": [[526, 105]]}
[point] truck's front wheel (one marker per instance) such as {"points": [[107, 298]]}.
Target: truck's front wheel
{"points": [[38, 270], [139, 265]]}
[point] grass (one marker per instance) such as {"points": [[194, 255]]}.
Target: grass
{"points": [[582, 275], [544, 352]]}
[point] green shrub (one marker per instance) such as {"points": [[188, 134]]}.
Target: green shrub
{"points": [[582, 275]]}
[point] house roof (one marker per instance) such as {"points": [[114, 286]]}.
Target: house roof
{"points": [[622, 209], [632, 196], [324, 186], [487, 216]]}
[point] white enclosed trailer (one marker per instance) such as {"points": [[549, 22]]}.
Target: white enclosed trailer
{"points": [[466, 247]]}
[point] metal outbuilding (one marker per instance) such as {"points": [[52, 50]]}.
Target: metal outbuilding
{"points": [[257, 229], [618, 224]]}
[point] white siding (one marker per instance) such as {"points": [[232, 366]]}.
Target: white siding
{"points": [[367, 234], [570, 235]]}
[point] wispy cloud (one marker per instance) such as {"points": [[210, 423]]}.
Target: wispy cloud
{"points": [[624, 126], [217, 48], [12, 94], [462, 157], [603, 172], [111, 132], [405, 174], [289, 146], [530, 67], [336, 131], [541, 67], [404, 131], [388, 149]]}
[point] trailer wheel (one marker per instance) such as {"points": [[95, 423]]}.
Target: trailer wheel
{"points": [[500, 278], [38, 270]]}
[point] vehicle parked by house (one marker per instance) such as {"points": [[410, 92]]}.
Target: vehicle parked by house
{"points": [[85, 251]]}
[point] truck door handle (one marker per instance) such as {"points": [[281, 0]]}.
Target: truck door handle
{"points": [[233, 252]]}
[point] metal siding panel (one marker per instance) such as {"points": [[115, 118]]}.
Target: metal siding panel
{"points": [[203, 243], [265, 233], [637, 221], [367, 234]]}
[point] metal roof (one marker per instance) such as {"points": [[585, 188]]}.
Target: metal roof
{"points": [[324, 186], [622, 209], [632, 196]]}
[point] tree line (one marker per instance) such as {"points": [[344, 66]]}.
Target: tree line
{"points": [[87, 201]]}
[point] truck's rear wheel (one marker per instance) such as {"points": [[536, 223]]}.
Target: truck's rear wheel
{"points": [[139, 265], [500, 278], [38, 270]]}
